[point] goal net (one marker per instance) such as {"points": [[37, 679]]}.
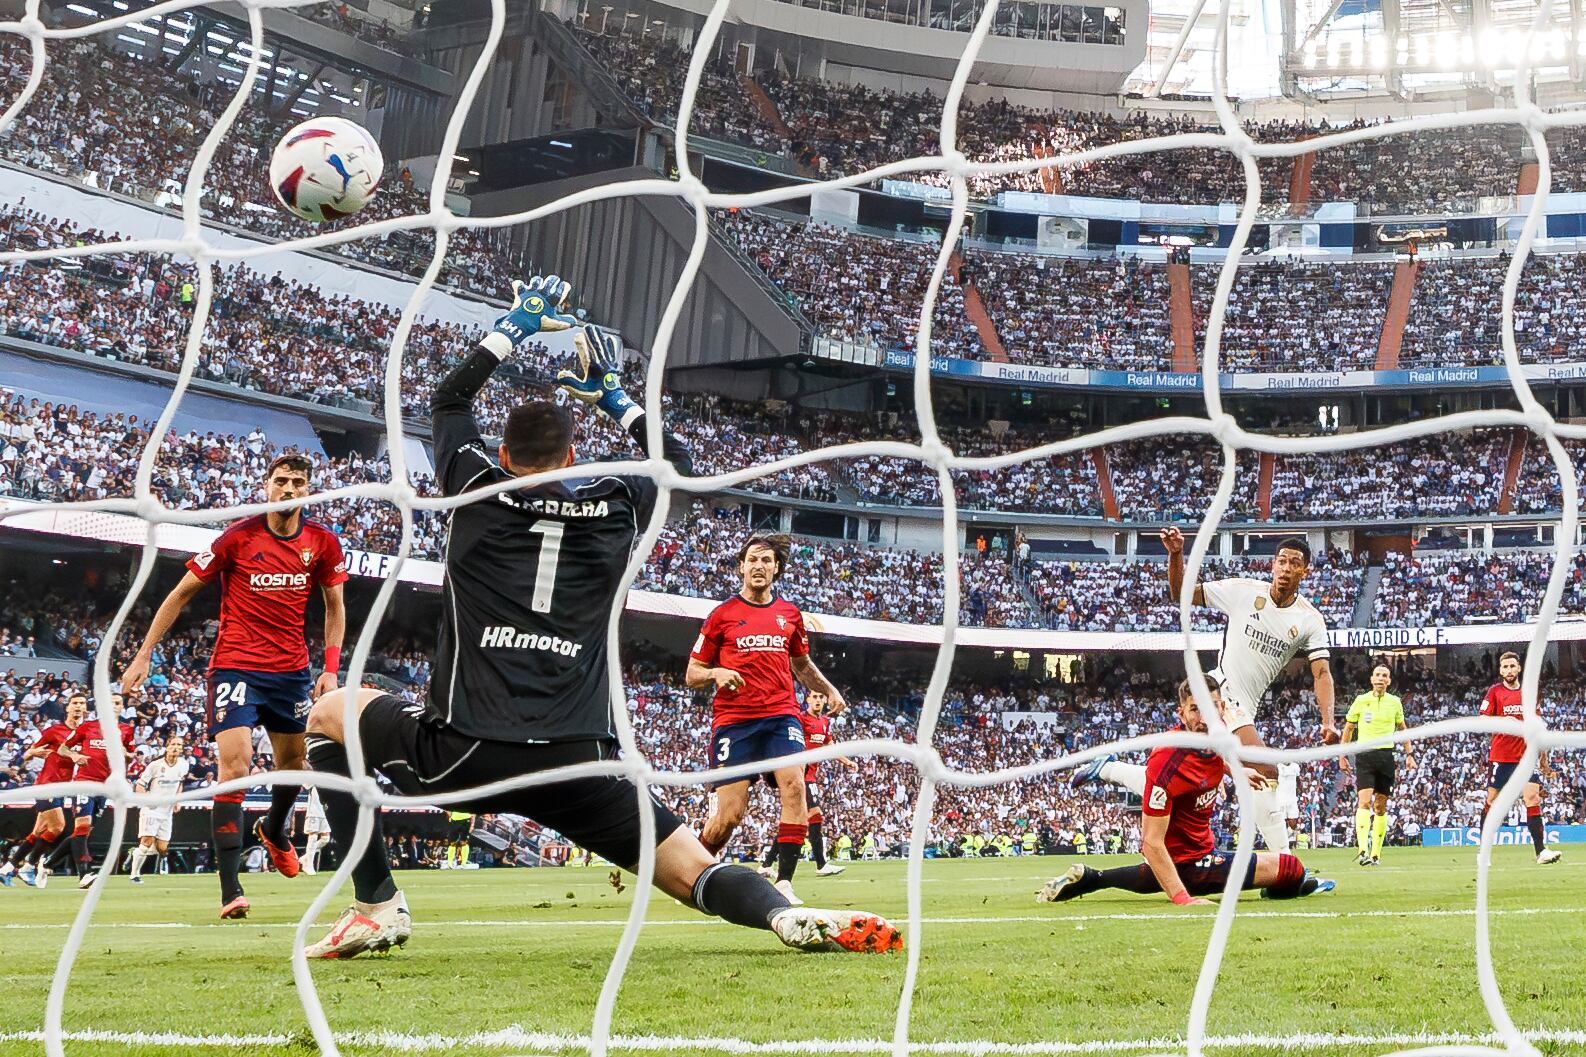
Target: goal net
{"points": [[1217, 424]]}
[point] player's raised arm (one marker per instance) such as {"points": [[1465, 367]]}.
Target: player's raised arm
{"points": [[598, 383], [1173, 540], [460, 455], [137, 669]]}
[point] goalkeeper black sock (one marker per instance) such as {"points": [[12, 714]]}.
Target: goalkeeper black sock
{"points": [[738, 895], [371, 876], [226, 829], [278, 822], [817, 843], [1533, 822]]}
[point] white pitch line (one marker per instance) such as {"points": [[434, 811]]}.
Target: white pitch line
{"points": [[520, 1038], [1054, 918]]}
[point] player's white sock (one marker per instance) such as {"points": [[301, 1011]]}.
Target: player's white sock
{"points": [[1274, 829], [1129, 775], [311, 854], [138, 856]]}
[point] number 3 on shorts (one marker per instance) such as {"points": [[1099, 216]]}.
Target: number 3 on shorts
{"points": [[230, 695], [722, 748]]}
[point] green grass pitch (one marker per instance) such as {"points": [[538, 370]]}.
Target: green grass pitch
{"points": [[512, 962]]}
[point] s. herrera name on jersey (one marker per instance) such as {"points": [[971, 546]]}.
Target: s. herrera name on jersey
{"points": [[502, 636], [556, 507]]}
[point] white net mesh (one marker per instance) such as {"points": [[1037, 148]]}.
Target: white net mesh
{"points": [[1216, 424]]}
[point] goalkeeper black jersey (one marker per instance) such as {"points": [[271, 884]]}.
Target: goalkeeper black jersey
{"points": [[530, 578]]}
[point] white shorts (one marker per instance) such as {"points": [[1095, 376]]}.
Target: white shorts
{"points": [[156, 824], [1237, 716], [315, 824], [1289, 808]]}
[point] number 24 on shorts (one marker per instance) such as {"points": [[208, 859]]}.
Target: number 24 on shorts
{"points": [[229, 696]]}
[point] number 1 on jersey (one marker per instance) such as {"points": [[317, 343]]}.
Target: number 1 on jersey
{"points": [[545, 573]]}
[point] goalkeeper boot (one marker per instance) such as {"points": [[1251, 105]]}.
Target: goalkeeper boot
{"points": [[364, 927], [282, 857], [1058, 888], [1091, 772], [836, 930]]}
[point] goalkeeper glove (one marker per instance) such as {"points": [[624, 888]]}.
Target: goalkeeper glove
{"points": [[536, 306], [596, 381]]}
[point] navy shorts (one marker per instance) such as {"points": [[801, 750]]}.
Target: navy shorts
{"points": [[276, 701], [1207, 875], [753, 741], [52, 804], [89, 807], [1501, 772]]}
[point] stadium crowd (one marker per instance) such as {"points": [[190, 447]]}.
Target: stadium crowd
{"points": [[1442, 475], [1342, 305], [1500, 587], [125, 125], [985, 725]]}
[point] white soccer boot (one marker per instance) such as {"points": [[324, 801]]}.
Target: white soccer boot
{"points": [[1052, 891], [41, 877], [786, 888], [831, 869], [86, 881], [373, 928], [807, 929], [768, 872], [1549, 855]]}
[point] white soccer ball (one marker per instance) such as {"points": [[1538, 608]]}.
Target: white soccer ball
{"points": [[326, 168]]}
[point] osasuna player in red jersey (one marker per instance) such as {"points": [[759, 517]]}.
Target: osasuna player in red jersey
{"points": [[49, 825], [86, 747], [259, 674], [817, 732], [1503, 699], [1183, 787], [750, 649]]}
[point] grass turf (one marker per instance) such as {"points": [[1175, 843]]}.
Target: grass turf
{"points": [[1391, 953]]}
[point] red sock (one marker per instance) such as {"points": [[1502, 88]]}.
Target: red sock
{"points": [[1290, 871], [1534, 811], [816, 818]]}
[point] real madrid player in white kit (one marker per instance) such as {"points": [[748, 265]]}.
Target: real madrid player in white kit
{"points": [[163, 777], [1269, 624]]}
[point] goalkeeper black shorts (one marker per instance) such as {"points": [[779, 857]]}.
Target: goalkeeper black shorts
{"points": [[1374, 770], [422, 758]]}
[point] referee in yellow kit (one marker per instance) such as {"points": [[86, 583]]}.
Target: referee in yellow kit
{"points": [[1374, 716]]}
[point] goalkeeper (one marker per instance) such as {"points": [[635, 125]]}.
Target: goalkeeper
{"points": [[519, 681]]}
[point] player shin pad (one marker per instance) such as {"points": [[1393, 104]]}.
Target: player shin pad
{"points": [[738, 895]]}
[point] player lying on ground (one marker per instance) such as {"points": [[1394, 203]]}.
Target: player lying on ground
{"points": [[750, 649], [817, 732], [165, 777], [50, 822], [1376, 715], [259, 672], [1503, 699], [519, 683], [1267, 625], [1182, 789]]}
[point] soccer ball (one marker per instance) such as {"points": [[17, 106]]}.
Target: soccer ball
{"points": [[326, 168]]}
